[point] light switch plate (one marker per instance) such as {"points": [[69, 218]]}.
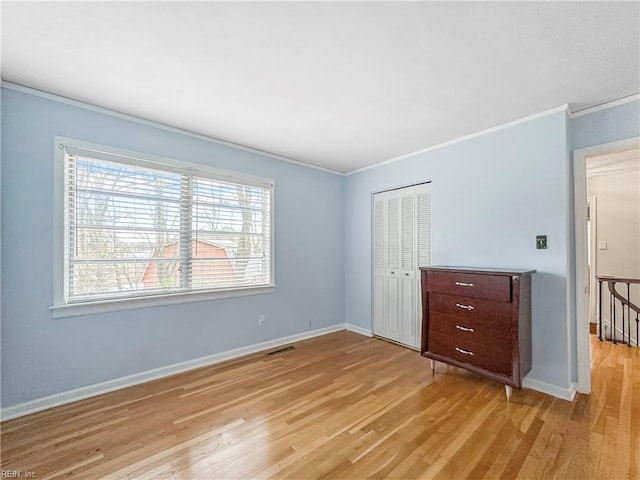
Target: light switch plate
{"points": [[602, 245], [541, 242]]}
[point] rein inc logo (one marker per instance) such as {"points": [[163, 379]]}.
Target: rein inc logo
{"points": [[17, 474]]}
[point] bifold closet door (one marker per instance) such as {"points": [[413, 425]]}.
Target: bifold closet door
{"points": [[399, 217]]}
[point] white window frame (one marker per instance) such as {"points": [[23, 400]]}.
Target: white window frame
{"points": [[60, 309]]}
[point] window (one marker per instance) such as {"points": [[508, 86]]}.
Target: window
{"points": [[141, 227]]}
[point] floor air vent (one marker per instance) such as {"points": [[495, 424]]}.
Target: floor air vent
{"points": [[284, 349]]}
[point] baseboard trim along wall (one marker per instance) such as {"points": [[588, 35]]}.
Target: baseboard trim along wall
{"points": [[568, 393], [362, 331], [81, 393]]}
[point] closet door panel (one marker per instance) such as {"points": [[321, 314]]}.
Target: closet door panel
{"points": [[392, 295], [393, 233], [379, 276], [379, 305], [406, 229], [392, 327], [423, 247], [408, 313], [408, 318], [423, 224]]}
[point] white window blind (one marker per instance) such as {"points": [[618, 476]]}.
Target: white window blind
{"points": [[135, 227]]}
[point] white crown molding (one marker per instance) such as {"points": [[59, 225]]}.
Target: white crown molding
{"points": [[82, 393], [561, 108], [567, 393], [113, 113], [150, 123], [605, 106]]}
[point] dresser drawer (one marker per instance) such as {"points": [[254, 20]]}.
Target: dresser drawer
{"points": [[492, 334], [493, 287], [466, 351], [471, 308]]}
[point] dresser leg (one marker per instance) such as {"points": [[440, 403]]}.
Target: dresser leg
{"points": [[508, 390], [433, 366]]}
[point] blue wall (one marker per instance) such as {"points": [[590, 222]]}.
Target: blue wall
{"points": [[604, 126], [491, 196], [42, 356]]}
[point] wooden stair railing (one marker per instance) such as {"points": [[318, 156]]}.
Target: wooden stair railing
{"points": [[625, 303]]}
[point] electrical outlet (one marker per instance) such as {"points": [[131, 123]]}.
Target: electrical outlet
{"points": [[261, 320]]}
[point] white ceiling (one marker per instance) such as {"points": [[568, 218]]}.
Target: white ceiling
{"points": [[342, 85]]}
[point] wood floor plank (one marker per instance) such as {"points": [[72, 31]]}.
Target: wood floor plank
{"points": [[337, 407]]}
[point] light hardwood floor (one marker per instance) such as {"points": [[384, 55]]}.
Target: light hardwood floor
{"points": [[338, 406]]}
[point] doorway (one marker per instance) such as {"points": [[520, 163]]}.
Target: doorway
{"points": [[584, 240]]}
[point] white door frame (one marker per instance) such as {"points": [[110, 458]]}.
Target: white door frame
{"points": [[593, 271], [582, 275]]}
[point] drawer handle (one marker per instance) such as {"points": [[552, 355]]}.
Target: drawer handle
{"points": [[465, 329], [466, 352], [462, 284], [466, 307]]}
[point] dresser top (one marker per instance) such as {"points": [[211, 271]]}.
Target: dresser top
{"points": [[479, 270]]}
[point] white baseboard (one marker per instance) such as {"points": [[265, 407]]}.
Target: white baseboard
{"points": [[362, 331], [81, 393], [619, 334], [565, 393]]}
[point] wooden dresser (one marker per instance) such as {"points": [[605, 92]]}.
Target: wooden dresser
{"points": [[478, 319]]}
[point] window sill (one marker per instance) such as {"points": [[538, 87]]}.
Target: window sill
{"points": [[105, 306]]}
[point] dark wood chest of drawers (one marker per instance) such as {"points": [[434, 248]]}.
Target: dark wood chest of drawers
{"points": [[478, 319]]}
